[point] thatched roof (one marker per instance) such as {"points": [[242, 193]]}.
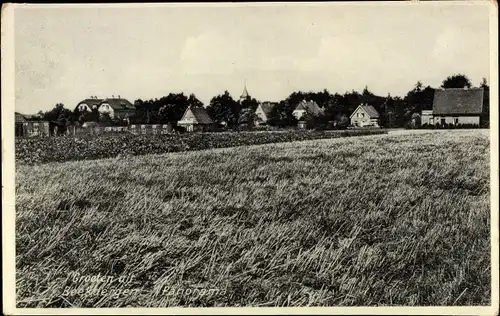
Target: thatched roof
{"points": [[458, 101], [118, 104], [91, 102]]}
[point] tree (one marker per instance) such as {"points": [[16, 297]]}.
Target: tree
{"points": [[333, 108], [223, 108], [418, 86], [193, 101], [247, 117], [485, 116], [88, 116], [456, 81], [249, 103], [281, 115]]}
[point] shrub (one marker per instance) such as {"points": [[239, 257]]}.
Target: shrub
{"points": [[48, 149]]}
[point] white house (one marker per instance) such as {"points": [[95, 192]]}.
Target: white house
{"points": [[117, 108], [365, 115], [89, 104], [262, 112], [455, 106], [309, 107], [196, 119]]}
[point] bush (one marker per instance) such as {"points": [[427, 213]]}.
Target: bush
{"points": [[65, 148], [442, 126]]}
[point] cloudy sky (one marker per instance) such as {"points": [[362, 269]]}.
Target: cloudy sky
{"points": [[66, 54]]}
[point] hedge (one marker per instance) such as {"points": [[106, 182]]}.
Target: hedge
{"points": [[66, 148], [443, 126]]}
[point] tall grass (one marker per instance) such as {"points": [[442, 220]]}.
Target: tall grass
{"points": [[378, 220]]}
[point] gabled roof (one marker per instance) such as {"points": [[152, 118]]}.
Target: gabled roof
{"points": [[368, 109], [267, 106], [200, 115], [308, 106], [119, 104], [91, 102], [458, 101]]}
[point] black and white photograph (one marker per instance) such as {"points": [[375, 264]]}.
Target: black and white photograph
{"points": [[247, 158]]}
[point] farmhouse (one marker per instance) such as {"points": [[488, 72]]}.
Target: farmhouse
{"points": [[455, 106], [365, 115], [117, 107], [89, 104], [262, 112], [309, 107], [196, 119]]}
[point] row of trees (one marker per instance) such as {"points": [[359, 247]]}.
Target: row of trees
{"points": [[394, 111]]}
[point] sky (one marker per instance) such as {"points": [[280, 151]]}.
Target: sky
{"points": [[65, 54]]}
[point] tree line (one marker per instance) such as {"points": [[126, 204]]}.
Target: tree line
{"points": [[395, 111]]}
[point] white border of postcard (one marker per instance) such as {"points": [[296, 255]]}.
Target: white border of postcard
{"points": [[8, 174]]}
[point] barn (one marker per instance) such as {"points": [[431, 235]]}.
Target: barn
{"points": [[455, 106]]}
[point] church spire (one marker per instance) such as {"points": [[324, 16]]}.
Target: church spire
{"points": [[244, 94]]}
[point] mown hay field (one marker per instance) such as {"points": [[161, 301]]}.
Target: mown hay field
{"points": [[373, 221]]}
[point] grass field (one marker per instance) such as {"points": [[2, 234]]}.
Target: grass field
{"points": [[372, 220]]}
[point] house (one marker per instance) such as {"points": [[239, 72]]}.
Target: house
{"points": [[34, 128], [365, 115], [262, 112], [117, 108], [19, 120], [196, 119], [89, 104], [309, 107], [24, 127], [455, 106], [426, 117]]}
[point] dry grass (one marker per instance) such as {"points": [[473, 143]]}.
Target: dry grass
{"points": [[375, 220]]}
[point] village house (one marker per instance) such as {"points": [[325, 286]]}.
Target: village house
{"points": [[309, 107], [89, 104], [196, 119], [19, 120], [27, 128], [262, 112], [117, 107], [455, 106], [365, 115]]}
